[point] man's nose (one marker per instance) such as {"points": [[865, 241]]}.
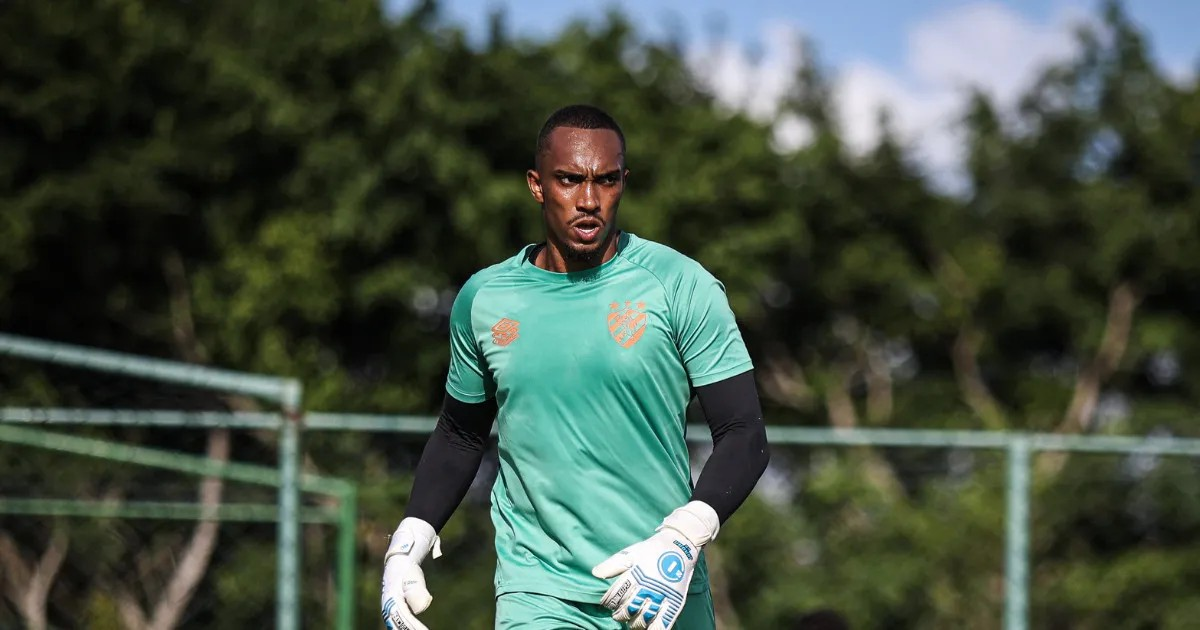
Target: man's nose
{"points": [[588, 199]]}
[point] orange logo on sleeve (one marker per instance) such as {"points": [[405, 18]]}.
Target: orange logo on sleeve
{"points": [[627, 323], [505, 331]]}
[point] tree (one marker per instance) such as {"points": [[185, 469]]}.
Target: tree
{"points": [[301, 189]]}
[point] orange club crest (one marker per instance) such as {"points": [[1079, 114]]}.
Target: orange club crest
{"points": [[627, 323]]}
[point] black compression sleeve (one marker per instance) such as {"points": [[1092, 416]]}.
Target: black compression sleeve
{"points": [[740, 452], [450, 460]]}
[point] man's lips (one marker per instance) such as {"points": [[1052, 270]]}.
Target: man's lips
{"points": [[586, 230]]}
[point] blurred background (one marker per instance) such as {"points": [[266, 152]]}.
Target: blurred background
{"points": [[975, 216]]}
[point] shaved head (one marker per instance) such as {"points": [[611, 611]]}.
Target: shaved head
{"points": [[576, 117]]}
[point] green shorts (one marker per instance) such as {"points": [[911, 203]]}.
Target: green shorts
{"points": [[530, 611]]}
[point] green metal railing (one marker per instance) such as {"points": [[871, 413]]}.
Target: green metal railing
{"points": [[344, 517], [1019, 449], [285, 392]]}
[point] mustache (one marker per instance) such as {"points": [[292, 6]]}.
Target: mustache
{"points": [[586, 217]]}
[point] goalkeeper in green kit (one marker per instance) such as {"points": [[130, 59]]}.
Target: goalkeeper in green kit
{"points": [[584, 352]]}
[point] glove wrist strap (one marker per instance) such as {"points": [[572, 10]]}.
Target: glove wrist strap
{"points": [[696, 520], [414, 538]]}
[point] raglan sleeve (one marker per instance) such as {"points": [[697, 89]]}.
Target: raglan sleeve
{"points": [[706, 328], [468, 379]]}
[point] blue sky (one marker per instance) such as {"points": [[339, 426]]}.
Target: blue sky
{"points": [[843, 29], [913, 57]]}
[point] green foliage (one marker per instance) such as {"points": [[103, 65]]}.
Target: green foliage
{"points": [[301, 188]]}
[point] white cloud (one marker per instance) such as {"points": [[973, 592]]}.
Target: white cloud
{"points": [[1181, 72], [792, 131], [983, 44], [740, 81]]}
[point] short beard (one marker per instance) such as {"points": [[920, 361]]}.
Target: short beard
{"points": [[590, 256]]}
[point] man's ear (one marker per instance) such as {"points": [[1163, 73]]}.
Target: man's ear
{"points": [[535, 185]]}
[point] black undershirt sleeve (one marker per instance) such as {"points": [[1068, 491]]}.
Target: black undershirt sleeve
{"points": [[455, 450], [450, 460], [740, 454]]}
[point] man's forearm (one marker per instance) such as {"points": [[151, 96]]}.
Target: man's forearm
{"points": [[740, 452], [450, 460]]}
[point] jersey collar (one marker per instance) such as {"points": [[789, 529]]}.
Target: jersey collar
{"points": [[525, 262]]}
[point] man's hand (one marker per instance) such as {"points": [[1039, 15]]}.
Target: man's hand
{"points": [[653, 575], [404, 592]]}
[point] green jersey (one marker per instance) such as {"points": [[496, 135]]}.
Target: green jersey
{"points": [[592, 373]]}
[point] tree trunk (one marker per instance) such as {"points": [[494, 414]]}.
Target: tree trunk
{"points": [[193, 562], [975, 392], [27, 584], [1122, 303]]}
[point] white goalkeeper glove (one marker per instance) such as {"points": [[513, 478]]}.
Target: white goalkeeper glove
{"points": [[404, 592], [653, 575]]}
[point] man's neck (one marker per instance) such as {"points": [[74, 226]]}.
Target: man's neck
{"points": [[551, 257]]}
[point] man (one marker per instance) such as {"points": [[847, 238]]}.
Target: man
{"points": [[586, 350]]}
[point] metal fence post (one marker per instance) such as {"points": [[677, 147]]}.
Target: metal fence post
{"points": [[288, 562], [347, 565], [1016, 542]]}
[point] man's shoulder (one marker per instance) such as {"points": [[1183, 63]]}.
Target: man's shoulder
{"points": [[664, 261]]}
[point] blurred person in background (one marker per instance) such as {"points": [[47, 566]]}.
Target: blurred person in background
{"points": [[585, 350]]}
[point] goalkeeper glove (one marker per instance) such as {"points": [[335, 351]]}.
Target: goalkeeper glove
{"points": [[404, 592], [653, 575]]}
